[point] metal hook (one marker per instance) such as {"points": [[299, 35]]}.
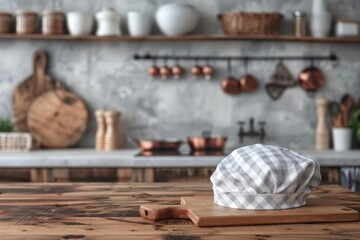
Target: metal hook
{"points": [[229, 66]]}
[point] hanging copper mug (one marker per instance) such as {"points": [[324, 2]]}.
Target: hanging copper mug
{"points": [[230, 85], [248, 82]]}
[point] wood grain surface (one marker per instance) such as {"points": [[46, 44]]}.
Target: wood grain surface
{"points": [[110, 211], [202, 211], [57, 118], [34, 85]]}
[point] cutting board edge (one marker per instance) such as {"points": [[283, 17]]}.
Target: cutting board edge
{"points": [[220, 221]]}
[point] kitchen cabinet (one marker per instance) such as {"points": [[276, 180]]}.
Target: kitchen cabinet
{"points": [[111, 211]]}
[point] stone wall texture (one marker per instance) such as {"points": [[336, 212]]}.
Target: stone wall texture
{"points": [[105, 75]]}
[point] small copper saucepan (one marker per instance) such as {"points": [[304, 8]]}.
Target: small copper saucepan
{"points": [[207, 142], [171, 144], [311, 79]]}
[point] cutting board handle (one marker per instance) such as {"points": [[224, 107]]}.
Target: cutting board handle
{"points": [[160, 212]]}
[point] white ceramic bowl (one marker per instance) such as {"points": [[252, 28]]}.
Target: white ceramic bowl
{"points": [[177, 18], [79, 23]]}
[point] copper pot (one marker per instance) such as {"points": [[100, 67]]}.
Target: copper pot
{"points": [[311, 79], [158, 144], [207, 142], [248, 83], [230, 85]]}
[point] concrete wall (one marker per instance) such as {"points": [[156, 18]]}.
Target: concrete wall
{"points": [[105, 76]]}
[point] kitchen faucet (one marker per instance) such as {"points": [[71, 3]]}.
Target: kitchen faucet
{"points": [[252, 132]]}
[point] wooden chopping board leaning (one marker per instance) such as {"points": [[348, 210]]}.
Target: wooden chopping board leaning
{"points": [[33, 86], [53, 115]]}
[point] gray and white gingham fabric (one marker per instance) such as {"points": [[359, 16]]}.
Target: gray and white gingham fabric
{"points": [[264, 177]]}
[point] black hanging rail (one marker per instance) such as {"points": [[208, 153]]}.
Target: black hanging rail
{"points": [[330, 57]]}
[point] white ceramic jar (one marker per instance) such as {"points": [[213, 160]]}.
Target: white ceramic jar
{"points": [[177, 18], [108, 22], [79, 23], [139, 23]]}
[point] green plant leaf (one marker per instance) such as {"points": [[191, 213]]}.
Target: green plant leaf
{"points": [[5, 125]]}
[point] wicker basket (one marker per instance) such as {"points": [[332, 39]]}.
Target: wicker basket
{"points": [[15, 142], [250, 23]]}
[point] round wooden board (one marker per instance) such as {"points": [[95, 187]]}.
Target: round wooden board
{"points": [[57, 118]]}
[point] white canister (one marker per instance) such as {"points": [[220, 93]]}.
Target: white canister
{"points": [[108, 23], [79, 23], [139, 23], [342, 138], [347, 28]]}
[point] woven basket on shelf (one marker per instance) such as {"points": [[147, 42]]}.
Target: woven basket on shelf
{"points": [[250, 23], [15, 142]]}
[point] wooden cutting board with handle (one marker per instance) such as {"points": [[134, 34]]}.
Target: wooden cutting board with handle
{"points": [[58, 118], [25, 93], [202, 211]]}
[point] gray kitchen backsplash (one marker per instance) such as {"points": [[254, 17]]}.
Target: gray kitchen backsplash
{"points": [[105, 75]]}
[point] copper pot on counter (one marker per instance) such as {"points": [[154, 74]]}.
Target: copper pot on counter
{"points": [[171, 144], [311, 79], [207, 142]]}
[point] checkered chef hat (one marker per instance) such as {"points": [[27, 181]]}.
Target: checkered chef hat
{"points": [[261, 177]]}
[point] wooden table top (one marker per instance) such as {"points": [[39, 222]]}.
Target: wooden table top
{"points": [[110, 211]]}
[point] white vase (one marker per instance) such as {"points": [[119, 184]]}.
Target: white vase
{"points": [[342, 138], [319, 6], [320, 25], [108, 22], [177, 18], [139, 24]]}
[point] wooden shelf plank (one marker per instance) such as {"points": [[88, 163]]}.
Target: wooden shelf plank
{"points": [[214, 37]]}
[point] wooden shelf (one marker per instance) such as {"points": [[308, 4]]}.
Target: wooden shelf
{"points": [[215, 37]]}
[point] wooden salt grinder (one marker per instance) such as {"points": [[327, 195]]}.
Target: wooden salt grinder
{"points": [[112, 134], [322, 140], [101, 128]]}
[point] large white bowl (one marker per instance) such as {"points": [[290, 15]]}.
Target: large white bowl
{"points": [[79, 23], [177, 18]]}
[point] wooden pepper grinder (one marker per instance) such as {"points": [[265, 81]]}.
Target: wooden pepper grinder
{"points": [[322, 140], [112, 134], [101, 129]]}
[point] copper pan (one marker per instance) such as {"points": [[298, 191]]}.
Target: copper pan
{"points": [[207, 142], [311, 79], [158, 144]]}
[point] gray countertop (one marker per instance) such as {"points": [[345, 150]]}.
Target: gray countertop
{"points": [[80, 158]]}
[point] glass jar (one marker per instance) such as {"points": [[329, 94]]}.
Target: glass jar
{"points": [[300, 24], [26, 22], [53, 22], [5, 22]]}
